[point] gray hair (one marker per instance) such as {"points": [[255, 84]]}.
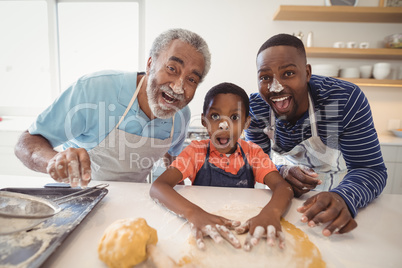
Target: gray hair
{"points": [[165, 38]]}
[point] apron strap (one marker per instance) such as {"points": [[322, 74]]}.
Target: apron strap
{"points": [[172, 129], [131, 104], [313, 119], [131, 101]]}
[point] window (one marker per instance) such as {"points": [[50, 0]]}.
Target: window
{"points": [[97, 36], [48, 44], [24, 58]]}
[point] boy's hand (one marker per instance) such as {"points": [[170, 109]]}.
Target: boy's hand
{"points": [[259, 227], [218, 228]]}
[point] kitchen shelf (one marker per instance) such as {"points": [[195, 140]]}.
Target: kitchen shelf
{"points": [[373, 82], [354, 53], [339, 14]]}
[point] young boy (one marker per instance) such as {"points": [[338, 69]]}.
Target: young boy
{"points": [[225, 160]]}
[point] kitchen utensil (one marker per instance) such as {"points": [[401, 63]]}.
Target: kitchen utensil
{"points": [[341, 2], [339, 44], [366, 71], [351, 44], [349, 72], [381, 70], [158, 258], [22, 211], [397, 132], [393, 41], [364, 45], [325, 69], [310, 39]]}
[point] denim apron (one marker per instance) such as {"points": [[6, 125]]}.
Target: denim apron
{"points": [[123, 156], [211, 175], [327, 162]]}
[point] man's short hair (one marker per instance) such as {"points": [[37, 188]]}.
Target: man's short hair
{"points": [[226, 88], [164, 39], [283, 40]]}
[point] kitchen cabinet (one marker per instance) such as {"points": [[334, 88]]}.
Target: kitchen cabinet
{"points": [[355, 53], [348, 14], [339, 14], [359, 53], [393, 161]]}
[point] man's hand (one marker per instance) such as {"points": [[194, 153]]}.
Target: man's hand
{"points": [[301, 178], [218, 228], [71, 166], [327, 207]]}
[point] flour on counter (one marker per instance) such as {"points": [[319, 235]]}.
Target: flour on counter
{"points": [[298, 251]]}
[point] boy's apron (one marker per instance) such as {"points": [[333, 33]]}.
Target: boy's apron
{"points": [[327, 162], [211, 175], [120, 158]]}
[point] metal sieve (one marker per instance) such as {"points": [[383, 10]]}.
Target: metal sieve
{"points": [[22, 211]]}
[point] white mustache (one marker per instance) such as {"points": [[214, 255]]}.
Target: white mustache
{"points": [[169, 91]]}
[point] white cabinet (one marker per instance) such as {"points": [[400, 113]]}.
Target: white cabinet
{"points": [[392, 155]]}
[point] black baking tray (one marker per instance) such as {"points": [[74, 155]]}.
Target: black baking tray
{"points": [[31, 248]]}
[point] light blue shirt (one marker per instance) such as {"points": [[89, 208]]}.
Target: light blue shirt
{"points": [[84, 114]]}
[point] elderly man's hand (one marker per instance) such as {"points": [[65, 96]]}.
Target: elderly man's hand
{"points": [[301, 178], [71, 166], [328, 207]]}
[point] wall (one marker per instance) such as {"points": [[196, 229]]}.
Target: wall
{"points": [[235, 29]]}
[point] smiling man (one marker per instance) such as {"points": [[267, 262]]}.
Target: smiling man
{"points": [[114, 125], [319, 132]]}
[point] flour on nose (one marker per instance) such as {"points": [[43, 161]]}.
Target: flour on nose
{"points": [[275, 86], [179, 89], [223, 125]]}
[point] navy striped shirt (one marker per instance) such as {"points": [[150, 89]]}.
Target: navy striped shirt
{"points": [[344, 122]]}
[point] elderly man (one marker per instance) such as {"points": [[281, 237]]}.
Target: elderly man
{"points": [[114, 125], [321, 133]]}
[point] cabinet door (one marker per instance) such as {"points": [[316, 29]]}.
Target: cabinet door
{"points": [[397, 179], [389, 153], [399, 155], [390, 180]]}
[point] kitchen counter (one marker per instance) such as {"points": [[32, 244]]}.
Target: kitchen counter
{"points": [[376, 242], [390, 139]]}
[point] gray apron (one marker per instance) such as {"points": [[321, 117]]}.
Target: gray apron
{"points": [[123, 156], [327, 162]]}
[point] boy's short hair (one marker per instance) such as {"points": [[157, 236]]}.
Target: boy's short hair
{"points": [[226, 88], [283, 40]]}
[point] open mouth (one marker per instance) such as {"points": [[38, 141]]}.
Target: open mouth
{"points": [[281, 104], [168, 98], [223, 141]]}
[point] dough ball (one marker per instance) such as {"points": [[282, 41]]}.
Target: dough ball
{"points": [[124, 243]]}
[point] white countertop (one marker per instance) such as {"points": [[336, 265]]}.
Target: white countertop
{"points": [[377, 241], [390, 139]]}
